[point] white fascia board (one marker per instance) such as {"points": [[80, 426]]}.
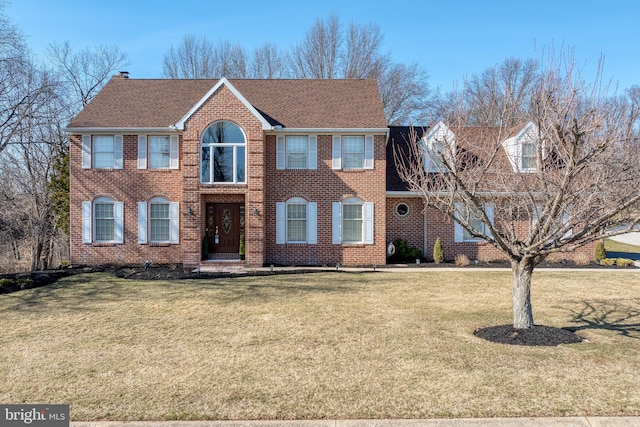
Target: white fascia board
{"points": [[329, 131], [223, 81], [407, 194], [128, 131]]}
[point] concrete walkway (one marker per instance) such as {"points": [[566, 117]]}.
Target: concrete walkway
{"points": [[398, 268], [466, 422]]}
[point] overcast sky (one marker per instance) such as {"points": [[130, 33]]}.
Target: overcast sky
{"points": [[450, 39]]}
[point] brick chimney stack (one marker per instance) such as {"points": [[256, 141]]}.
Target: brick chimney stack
{"points": [[123, 75]]}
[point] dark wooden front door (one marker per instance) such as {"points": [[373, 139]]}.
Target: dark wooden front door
{"points": [[223, 227]]}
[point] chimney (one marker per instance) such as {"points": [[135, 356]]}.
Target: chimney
{"points": [[123, 74]]}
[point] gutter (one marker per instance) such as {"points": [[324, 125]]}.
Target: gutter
{"points": [[79, 130]]}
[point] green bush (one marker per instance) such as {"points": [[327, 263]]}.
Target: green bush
{"points": [[438, 252], [599, 253], [404, 252], [6, 282], [25, 283], [608, 261]]}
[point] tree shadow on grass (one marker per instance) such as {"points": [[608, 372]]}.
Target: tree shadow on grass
{"points": [[620, 316], [84, 291]]}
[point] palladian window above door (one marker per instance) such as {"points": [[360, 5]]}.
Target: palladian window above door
{"points": [[223, 154]]}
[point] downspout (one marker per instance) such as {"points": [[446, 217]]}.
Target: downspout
{"points": [[424, 228]]}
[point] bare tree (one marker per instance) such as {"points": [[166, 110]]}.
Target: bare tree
{"points": [[24, 87], [318, 55], [84, 73], [199, 58], [269, 62], [497, 96], [405, 94], [566, 178], [362, 58], [329, 52]]}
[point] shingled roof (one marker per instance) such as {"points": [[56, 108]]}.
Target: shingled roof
{"points": [[304, 104], [473, 144]]}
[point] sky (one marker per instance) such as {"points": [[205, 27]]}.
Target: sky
{"points": [[451, 39]]}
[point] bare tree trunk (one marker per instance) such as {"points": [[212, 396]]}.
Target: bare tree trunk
{"points": [[522, 313]]}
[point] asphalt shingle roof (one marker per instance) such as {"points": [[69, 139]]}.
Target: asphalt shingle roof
{"points": [[148, 103]]}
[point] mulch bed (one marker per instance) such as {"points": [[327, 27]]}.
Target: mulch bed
{"points": [[536, 336]]}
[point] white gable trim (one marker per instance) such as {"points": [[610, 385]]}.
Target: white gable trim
{"points": [[223, 81], [513, 146]]}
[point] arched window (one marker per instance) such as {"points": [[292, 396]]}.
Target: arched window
{"points": [[223, 154]]}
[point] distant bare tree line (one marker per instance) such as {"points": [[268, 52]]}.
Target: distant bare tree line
{"points": [[327, 51]]}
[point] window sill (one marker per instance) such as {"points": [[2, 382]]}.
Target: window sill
{"points": [[223, 184], [104, 244], [354, 170], [159, 169], [159, 244]]}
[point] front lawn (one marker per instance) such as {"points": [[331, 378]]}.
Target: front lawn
{"points": [[322, 345]]}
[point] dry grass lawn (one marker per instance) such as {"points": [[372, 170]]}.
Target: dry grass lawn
{"points": [[325, 345]]}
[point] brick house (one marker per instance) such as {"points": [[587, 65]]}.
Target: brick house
{"points": [[295, 172], [294, 169]]}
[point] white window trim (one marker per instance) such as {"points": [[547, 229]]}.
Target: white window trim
{"points": [[513, 147], [459, 229], [88, 216], [282, 158], [144, 152], [281, 222], [565, 220], [368, 154], [367, 222], [233, 145], [439, 135], [87, 152], [144, 223]]}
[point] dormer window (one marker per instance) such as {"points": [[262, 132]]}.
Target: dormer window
{"points": [[438, 145], [522, 149]]}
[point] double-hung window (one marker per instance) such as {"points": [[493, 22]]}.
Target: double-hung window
{"points": [[296, 152], [352, 152], [433, 156], [102, 151], [528, 158], [158, 151], [223, 154], [102, 221], [296, 221], [352, 222], [158, 221], [474, 220]]}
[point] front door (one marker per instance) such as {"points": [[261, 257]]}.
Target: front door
{"points": [[223, 227]]}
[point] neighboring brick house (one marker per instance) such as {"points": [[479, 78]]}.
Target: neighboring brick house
{"points": [[293, 168], [296, 172]]}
